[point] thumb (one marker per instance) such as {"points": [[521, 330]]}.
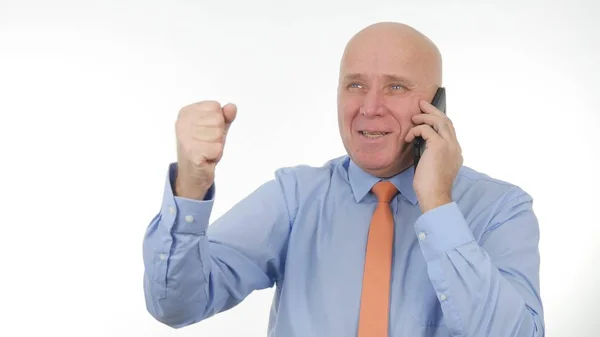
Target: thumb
{"points": [[229, 112]]}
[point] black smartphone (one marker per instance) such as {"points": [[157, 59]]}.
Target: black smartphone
{"points": [[438, 101]]}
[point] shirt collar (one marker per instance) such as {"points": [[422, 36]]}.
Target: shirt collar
{"points": [[362, 182]]}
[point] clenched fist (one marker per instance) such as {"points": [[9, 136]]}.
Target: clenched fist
{"points": [[201, 129]]}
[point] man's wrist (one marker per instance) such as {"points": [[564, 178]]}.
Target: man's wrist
{"points": [[435, 201], [190, 191]]}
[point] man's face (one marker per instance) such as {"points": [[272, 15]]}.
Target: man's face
{"points": [[381, 83]]}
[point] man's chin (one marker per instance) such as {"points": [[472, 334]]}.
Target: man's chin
{"points": [[382, 168], [381, 165]]}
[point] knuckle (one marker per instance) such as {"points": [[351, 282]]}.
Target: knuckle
{"points": [[215, 151], [186, 110], [219, 133], [209, 134], [218, 120], [210, 118], [203, 112], [209, 106]]}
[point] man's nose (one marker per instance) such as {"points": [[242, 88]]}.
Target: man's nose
{"points": [[373, 105]]}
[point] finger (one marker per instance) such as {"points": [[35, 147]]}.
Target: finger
{"points": [[428, 108], [424, 131], [213, 151], [212, 118], [438, 123], [209, 134], [208, 106], [229, 112]]}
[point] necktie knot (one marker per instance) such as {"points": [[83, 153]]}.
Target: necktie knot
{"points": [[384, 191]]}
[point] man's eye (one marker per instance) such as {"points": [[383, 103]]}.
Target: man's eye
{"points": [[396, 87], [354, 85]]}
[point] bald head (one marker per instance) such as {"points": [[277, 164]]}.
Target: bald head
{"points": [[397, 46], [386, 70]]}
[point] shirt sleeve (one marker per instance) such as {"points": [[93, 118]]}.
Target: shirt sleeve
{"points": [[193, 270], [486, 287]]}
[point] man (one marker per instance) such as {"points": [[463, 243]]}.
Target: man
{"points": [[365, 245]]}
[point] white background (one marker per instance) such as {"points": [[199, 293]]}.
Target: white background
{"points": [[89, 93]]}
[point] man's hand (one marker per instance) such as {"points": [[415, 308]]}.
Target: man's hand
{"points": [[441, 160], [201, 129]]}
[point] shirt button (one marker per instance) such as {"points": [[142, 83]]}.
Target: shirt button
{"points": [[162, 257], [443, 297], [422, 236], [189, 218], [172, 210]]}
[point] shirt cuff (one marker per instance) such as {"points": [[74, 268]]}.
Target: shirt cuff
{"points": [[441, 230], [182, 215]]}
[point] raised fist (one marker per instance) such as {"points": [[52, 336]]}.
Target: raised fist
{"points": [[201, 130]]}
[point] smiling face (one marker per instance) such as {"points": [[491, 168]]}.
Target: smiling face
{"points": [[386, 70]]}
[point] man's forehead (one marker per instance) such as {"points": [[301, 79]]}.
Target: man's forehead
{"points": [[380, 55], [392, 52], [386, 66]]}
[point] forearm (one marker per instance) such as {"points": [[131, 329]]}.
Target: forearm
{"points": [[194, 271], [175, 278], [195, 277], [478, 296]]}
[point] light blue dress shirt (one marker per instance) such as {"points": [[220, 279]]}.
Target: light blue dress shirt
{"points": [[468, 268]]}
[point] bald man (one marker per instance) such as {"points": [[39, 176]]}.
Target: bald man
{"points": [[365, 245]]}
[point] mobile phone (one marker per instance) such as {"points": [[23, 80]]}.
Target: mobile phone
{"points": [[438, 101]]}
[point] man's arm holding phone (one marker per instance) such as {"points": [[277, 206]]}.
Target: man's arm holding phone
{"points": [[485, 288]]}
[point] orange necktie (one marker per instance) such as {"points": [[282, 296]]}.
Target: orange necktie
{"points": [[375, 297]]}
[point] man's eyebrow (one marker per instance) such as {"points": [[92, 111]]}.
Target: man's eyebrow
{"points": [[352, 76], [397, 78], [387, 77]]}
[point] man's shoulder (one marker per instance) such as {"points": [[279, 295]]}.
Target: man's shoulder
{"points": [[304, 183], [483, 186], [309, 174]]}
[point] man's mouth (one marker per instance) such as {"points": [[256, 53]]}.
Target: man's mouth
{"points": [[373, 134]]}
